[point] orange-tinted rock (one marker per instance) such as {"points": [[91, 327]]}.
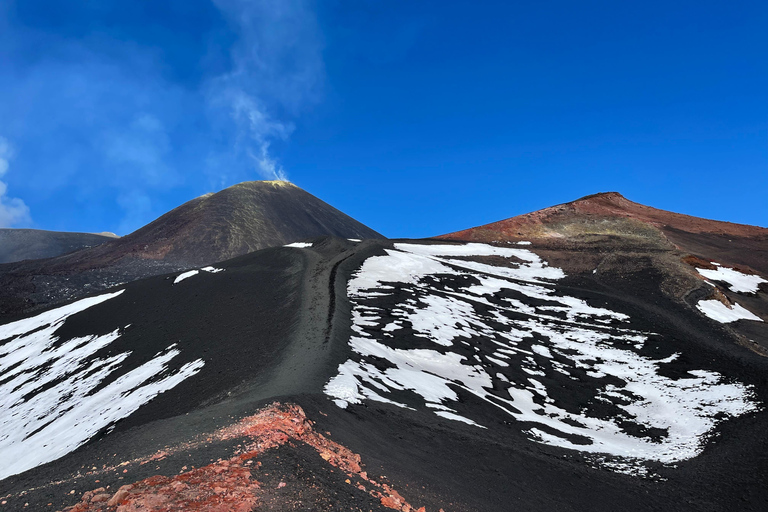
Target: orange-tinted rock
{"points": [[119, 496], [227, 485], [390, 502]]}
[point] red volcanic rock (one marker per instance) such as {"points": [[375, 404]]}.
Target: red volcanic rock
{"points": [[119, 496], [201, 489], [390, 502], [229, 485], [611, 216], [539, 224]]}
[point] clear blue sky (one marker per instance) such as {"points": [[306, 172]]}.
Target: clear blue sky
{"points": [[417, 118]]}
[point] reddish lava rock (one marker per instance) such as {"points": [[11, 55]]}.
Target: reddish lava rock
{"points": [[605, 205], [218, 487], [228, 485]]}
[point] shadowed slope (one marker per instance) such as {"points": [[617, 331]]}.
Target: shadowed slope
{"points": [[32, 244]]}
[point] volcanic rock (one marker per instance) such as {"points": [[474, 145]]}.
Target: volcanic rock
{"points": [[609, 215]]}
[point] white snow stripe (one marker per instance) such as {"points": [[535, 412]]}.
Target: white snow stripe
{"points": [[185, 275], [48, 402]]}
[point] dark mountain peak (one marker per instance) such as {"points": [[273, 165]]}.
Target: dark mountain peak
{"points": [[242, 218], [610, 196], [211, 228], [261, 184]]}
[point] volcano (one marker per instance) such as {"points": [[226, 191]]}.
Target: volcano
{"points": [[610, 214], [601, 367], [214, 227], [606, 237]]}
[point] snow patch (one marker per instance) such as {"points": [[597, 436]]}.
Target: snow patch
{"points": [[299, 245], [191, 273], [185, 275], [718, 311], [51, 394], [456, 417], [737, 281]]}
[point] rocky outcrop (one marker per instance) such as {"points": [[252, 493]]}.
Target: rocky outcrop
{"points": [[231, 484]]}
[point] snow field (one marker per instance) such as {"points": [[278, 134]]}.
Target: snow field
{"points": [[508, 328], [737, 281], [52, 393]]}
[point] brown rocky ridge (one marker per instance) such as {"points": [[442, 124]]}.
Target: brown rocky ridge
{"points": [[606, 237], [231, 485]]}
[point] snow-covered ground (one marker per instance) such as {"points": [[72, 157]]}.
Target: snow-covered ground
{"points": [[737, 281], [194, 272], [55, 395], [718, 311], [429, 324]]}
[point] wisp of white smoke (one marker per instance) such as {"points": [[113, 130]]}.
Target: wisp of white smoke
{"points": [[277, 66]]}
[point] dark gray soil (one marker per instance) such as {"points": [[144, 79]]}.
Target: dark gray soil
{"points": [[275, 325]]}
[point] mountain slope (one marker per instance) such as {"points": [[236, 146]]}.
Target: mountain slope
{"points": [[606, 238], [32, 244], [238, 220], [215, 227], [611, 214], [462, 377]]}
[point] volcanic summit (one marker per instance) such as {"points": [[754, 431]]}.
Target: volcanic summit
{"points": [[211, 228]]}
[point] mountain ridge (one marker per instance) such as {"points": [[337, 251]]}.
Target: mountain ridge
{"points": [[610, 218], [18, 244], [213, 227], [613, 204]]}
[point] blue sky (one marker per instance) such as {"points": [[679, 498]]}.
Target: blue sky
{"points": [[417, 118]]}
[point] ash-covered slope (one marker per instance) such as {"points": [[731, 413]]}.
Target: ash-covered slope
{"points": [[32, 244], [716, 267], [462, 377], [215, 227], [238, 220]]}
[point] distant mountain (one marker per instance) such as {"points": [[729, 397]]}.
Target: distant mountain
{"points": [[238, 220], [607, 238], [610, 214], [211, 228], [33, 244]]}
